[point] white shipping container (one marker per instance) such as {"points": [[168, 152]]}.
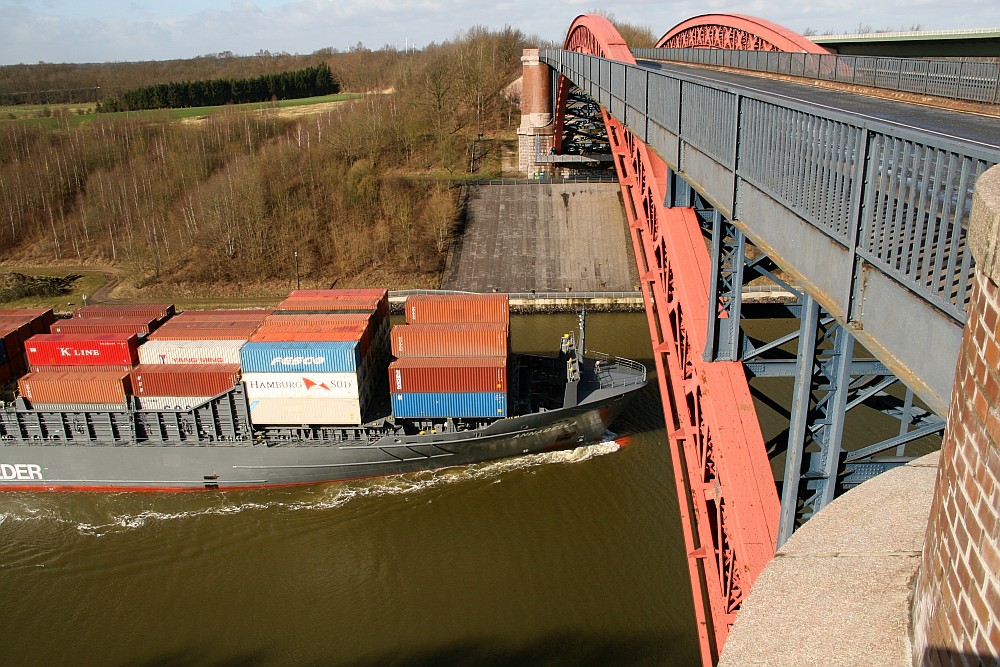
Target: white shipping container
{"points": [[179, 403], [190, 352], [302, 385], [293, 411]]}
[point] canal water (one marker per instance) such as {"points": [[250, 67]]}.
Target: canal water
{"points": [[562, 559]]}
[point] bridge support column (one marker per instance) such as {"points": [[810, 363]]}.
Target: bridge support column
{"points": [[957, 595], [534, 136]]}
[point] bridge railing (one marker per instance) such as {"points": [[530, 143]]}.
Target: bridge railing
{"points": [[966, 80], [867, 213]]}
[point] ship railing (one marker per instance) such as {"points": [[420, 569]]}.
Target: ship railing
{"points": [[617, 371]]}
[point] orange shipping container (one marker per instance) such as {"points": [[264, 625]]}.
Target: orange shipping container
{"points": [[444, 374], [449, 340], [457, 308], [75, 387], [184, 379], [217, 333], [159, 310], [138, 325], [219, 315]]}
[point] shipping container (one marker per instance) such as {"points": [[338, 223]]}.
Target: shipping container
{"points": [[190, 352], [82, 349], [444, 374], [142, 324], [449, 340], [172, 403], [15, 332], [302, 385], [457, 404], [40, 318], [377, 293], [83, 368], [457, 308], [75, 387], [219, 315], [83, 408], [3, 351], [297, 411], [165, 332], [378, 305], [184, 379], [6, 373], [323, 318], [158, 310], [300, 357]]}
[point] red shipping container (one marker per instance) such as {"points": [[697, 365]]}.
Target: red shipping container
{"points": [[82, 349], [41, 318], [158, 310], [332, 318], [21, 330], [184, 379], [137, 325], [377, 293], [75, 387], [83, 368], [443, 374], [218, 315], [449, 340], [457, 308], [218, 333]]}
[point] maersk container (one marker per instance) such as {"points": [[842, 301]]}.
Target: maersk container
{"points": [[75, 387], [302, 385], [82, 349], [142, 324], [449, 340], [172, 403], [184, 379], [457, 308], [448, 374], [158, 310], [190, 352], [451, 404], [300, 357], [300, 411]]}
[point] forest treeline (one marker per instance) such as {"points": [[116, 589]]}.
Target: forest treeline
{"points": [[308, 82], [360, 191]]}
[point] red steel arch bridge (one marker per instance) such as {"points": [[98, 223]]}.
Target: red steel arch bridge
{"points": [[855, 206]]}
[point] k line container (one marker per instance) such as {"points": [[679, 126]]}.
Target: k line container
{"points": [[432, 405], [448, 374], [137, 325], [301, 357], [75, 387], [301, 411], [457, 308], [447, 340], [184, 379], [172, 403], [190, 352], [82, 349], [306, 386], [158, 310]]}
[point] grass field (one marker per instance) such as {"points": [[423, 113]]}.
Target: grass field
{"points": [[89, 282], [74, 114]]}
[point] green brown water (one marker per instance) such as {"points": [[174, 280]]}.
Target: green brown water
{"points": [[561, 559]]}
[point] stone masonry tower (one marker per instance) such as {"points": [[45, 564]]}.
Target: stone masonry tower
{"points": [[956, 603], [534, 136]]}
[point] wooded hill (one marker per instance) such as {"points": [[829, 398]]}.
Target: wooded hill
{"points": [[360, 190]]}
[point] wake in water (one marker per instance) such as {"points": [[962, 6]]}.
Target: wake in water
{"points": [[103, 513]]}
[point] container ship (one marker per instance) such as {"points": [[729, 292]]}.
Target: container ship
{"points": [[320, 388]]}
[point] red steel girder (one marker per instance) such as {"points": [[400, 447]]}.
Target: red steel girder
{"points": [[729, 504], [736, 31]]}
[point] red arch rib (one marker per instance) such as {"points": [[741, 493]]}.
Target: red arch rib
{"points": [[736, 31]]}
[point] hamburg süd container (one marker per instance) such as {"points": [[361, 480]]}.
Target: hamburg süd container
{"points": [[190, 352], [298, 411], [82, 349], [457, 308], [448, 374], [452, 404], [142, 324], [306, 386], [184, 379], [449, 340], [158, 310], [300, 357], [75, 387]]}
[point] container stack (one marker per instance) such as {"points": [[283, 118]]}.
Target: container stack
{"points": [[451, 357], [193, 357], [313, 361], [17, 326]]}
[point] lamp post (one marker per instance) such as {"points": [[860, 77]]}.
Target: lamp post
{"points": [[295, 253]]}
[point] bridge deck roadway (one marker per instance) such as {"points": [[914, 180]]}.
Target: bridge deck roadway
{"points": [[954, 125], [543, 237]]}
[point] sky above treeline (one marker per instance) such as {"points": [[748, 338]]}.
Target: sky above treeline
{"points": [[34, 31]]}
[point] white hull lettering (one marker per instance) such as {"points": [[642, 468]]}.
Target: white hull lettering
{"points": [[20, 471]]}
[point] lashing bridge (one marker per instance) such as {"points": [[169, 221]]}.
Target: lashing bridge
{"points": [[858, 207]]}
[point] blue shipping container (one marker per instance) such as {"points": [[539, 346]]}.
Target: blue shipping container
{"points": [[464, 404], [300, 357]]}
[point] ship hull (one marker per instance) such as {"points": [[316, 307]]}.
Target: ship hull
{"points": [[232, 465]]}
